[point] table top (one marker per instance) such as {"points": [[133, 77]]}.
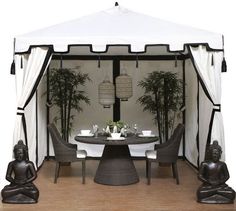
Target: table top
{"points": [[128, 140]]}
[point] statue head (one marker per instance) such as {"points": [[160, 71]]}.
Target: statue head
{"points": [[20, 151], [216, 151]]}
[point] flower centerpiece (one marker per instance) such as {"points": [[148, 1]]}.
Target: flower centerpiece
{"points": [[115, 127]]}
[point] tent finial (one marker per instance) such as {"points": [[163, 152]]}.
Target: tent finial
{"points": [[116, 4]]}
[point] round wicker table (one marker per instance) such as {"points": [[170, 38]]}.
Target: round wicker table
{"points": [[116, 166]]}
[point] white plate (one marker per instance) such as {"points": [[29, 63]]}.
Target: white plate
{"points": [[118, 139], [145, 136], [87, 135]]}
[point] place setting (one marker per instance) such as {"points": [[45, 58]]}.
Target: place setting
{"points": [[85, 133], [146, 134]]}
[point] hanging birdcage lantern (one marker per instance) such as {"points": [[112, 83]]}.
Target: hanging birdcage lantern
{"points": [[124, 89], [106, 93]]}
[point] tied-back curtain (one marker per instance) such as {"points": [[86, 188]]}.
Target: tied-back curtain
{"points": [[29, 70], [208, 66]]}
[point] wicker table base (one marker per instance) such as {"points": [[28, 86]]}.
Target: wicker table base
{"points": [[116, 167]]}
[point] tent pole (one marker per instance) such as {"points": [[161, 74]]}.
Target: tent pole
{"points": [[37, 134], [183, 112], [116, 106], [198, 86], [48, 114]]}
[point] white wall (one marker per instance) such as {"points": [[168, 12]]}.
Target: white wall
{"points": [[17, 17]]}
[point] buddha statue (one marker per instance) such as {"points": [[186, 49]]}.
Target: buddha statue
{"points": [[214, 173], [20, 173]]}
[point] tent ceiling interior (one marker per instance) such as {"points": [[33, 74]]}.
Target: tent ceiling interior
{"points": [[120, 32], [121, 50]]}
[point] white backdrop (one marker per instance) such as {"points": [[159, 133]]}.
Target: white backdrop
{"points": [[19, 17]]}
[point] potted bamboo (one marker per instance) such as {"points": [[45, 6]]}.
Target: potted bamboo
{"points": [[163, 98], [65, 90]]}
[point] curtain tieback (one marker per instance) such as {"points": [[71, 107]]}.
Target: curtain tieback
{"points": [[20, 111]]}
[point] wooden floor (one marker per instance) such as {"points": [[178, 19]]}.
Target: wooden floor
{"points": [[69, 194]]}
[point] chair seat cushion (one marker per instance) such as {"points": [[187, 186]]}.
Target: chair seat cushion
{"points": [[81, 154], [151, 154]]}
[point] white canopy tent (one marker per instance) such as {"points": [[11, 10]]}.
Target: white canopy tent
{"points": [[122, 33]]}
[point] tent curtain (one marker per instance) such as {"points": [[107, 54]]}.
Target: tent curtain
{"points": [[208, 67], [28, 76]]}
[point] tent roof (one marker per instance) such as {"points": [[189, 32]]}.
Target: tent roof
{"points": [[117, 26]]}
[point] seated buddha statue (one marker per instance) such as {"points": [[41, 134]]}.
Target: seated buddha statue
{"points": [[20, 173], [214, 173]]}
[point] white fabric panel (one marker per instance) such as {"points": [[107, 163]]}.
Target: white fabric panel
{"points": [[211, 76], [31, 72], [218, 132], [32, 65], [191, 125], [30, 117], [205, 110], [42, 122], [117, 26]]}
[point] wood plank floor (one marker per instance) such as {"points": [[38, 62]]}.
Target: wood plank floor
{"points": [[69, 194]]}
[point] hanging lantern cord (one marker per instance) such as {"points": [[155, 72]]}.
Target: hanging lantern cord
{"points": [[176, 63], [136, 60], [61, 65], [99, 61]]}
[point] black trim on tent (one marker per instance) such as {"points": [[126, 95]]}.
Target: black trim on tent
{"points": [[185, 46], [214, 110], [24, 124], [37, 134], [198, 114], [120, 57]]}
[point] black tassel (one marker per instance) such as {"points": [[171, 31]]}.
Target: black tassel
{"points": [[13, 68], [212, 60], [223, 66], [21, 62], [116, 4]]}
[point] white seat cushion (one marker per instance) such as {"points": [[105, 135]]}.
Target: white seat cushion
{"points": [[151, 154], [81, 154]]}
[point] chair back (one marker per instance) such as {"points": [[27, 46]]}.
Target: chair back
{"points": [[169, 153], [63, 153]]}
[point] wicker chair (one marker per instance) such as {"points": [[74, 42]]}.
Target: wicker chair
{"points": [[65, 152], [166, 153]]}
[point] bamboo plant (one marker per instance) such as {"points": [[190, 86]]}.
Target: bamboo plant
{"points": [[65, 93], [163, 98]]}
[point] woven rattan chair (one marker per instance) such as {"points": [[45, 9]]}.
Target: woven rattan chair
{"points": [[166, 153], [65, 152]]}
